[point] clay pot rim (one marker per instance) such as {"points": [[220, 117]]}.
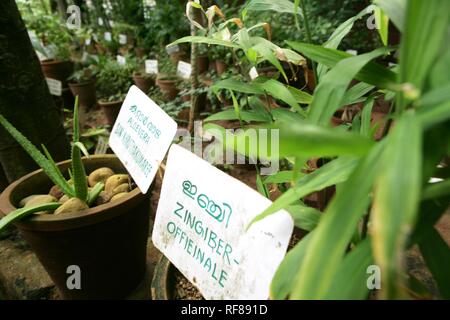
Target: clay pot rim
{"points": [[69, 220], [54, 61], [167, 81], [104, 103], [81, 84]]}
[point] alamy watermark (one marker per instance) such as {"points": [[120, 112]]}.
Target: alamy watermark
{"points": [[73, 281], [74, 19]]}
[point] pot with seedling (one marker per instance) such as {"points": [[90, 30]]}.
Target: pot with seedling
{"points": [[113, 82], [141, 79], [167, 80], [95, 224], [82, 84]]}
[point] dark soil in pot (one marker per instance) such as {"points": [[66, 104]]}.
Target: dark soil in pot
{"points": [[56, 69], [143, 82], [107, 242], [111, 110], [169, 284], [85, 92]]}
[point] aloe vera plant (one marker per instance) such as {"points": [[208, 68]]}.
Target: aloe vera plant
{"points": [[385, 202], [79, 188]]}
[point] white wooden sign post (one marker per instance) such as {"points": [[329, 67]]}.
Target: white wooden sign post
{"points": [[151, 66], [141, 136], [200, 227], [184, 69], [54, 86]]}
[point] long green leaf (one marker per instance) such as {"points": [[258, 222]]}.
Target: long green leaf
{"points": [[426, 28], [395, 10], [397, 196], [205, 40], [37, 156], [78, 171], [335, 39], [330, 91], [382, 22], [356, 93], [335, 230], [308, 140], [281, 6], [283, 280], [24, 212], [372, 73], [366, 117], [237, 86], [247, 116], [332, 173], [306, 218], [351, 282], [437, 256]]}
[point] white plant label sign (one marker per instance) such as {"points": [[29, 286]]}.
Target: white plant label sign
{"points": [[121, 60], [184, 69], [200, 227], [141, 136], [102, 145], [122, 39], [173, 49], [87, 42], [108, 36], [253, 73], [54, 86], [100, 21], [151, 66]]}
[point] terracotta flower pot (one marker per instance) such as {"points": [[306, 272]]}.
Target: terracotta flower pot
{"points": [[168, 88], [56, 69], [85, 92], [140, 52], [107, 242], [142, 82], [221, 67], [202, 64], [111, 110], [177, 56]]}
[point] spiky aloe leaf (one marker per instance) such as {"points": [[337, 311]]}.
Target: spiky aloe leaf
{"points": [[78, 171], [52, 162], [38, 157], [23, 212], [94, 193]]}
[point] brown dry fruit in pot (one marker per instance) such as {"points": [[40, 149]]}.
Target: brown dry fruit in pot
{"points": [[56, 192], [63, 199], [124, 187], [41, 199], [119, 196], [103, 197], [72, 205], [99, 175], [115, 181], [25, 200]]}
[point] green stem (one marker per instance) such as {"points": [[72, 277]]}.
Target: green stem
{"points": [[308, 35]]}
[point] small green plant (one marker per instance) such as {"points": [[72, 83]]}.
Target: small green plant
{"points": [[79, 188], [113, 80], [84, 75]]}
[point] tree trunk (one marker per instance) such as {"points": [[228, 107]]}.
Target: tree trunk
{"points": [[62, 8], [24, 98]]}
